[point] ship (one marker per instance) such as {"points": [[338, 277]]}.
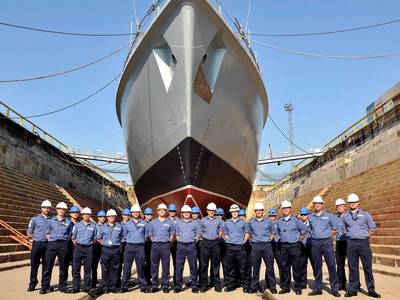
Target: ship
{"points": [[192, 106]]}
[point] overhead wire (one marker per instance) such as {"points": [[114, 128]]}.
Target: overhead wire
{"points": [[328, 56], [266, 176], [86, 34], [65, 32], [248, 16], [40, 77], [326, 32], [285, 136], [269, 34], [319, 55], [70, 105]]}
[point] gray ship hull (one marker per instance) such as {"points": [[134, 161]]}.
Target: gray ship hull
{"points": [[192, 106]]}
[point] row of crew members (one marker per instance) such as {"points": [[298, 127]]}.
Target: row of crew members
{"points": [[287, 240]]}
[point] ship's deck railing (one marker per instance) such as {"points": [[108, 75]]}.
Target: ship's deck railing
{"points": [[30, 126], [361, 123]]}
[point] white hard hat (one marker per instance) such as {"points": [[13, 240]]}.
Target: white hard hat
{"points": [[211, 206], [186, 208], [62, 205], [352, 198], [111, 212], [258, 206], [135, 208], [87, 211], [46, 203], [317, 199], [286, 204], [234, 207], [162, 206], [340, 202]]}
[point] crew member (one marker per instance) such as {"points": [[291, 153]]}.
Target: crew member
{"points": [[236, 234], [322, 226], [134, 232], [220, 214], [291, 231], [101, 219], [57, 233], [148, 216], [110, 236], [196, 218], [37, 230], [358, 226], [305, 247], [247, 246], [74, 217], [126, 216], [262, 232], [83, 236], [174, 219], [272, 216], [341, 244], [187, 234], [161, 232], [211, 231]]}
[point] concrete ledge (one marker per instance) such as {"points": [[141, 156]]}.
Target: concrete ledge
{"points": [[14, 265]]}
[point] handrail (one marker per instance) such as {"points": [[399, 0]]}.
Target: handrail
{"points": [[71, 199], [11, 114], [360, 124], [22, 121], [381, 110], [17, 236]]}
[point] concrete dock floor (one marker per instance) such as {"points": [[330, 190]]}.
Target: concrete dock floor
{"points": [[13, 284]]}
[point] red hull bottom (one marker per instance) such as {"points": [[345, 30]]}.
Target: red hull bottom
{"points": [[192, 196]]}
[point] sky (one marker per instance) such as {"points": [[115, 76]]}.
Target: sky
{"points": [[328, 95]]}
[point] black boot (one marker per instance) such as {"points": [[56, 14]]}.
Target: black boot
{"points": [[315, 293], [373, 294]]}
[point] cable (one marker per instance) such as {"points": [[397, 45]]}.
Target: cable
{"points": [[311, 33], [67, 70], [152, 8], [70, 105], [109, 162], [266, 176], [286, 137], [248, 16], [225, 11], [302, 53], [326, 32], [64, 32]]}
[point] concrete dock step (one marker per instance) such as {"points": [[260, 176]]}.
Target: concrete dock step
{"points": [[12, 247], [14, 256], [385, 240], [387, 232], [386, 249], [14, 264], [386, 259]]}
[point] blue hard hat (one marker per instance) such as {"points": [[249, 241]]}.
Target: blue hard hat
{"points": [[272, 212], [74, 209], [242, 212], [195, 210], [148, 211], [126, 212], [304, 211], [101, 213], [172, 207], [220, 211]]}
